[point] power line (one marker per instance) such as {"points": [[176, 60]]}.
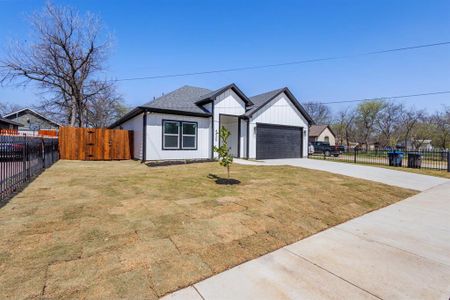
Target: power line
{"points": [[338, 102], [298, 62], [387, 98]]}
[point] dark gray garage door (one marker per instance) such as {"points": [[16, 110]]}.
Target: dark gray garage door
{"points": [[275, 141]]}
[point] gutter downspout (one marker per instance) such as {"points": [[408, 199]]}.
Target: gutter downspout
{"points": [[144, 137], [248, 138], [212, 130]]}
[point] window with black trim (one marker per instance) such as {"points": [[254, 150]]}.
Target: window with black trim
{"points": [[179, 135], [189, 135], [171, 135]]}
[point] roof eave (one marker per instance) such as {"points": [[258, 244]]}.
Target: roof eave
{"points": [[294, 101], [232, 86], [177, 112], [131, 114]]}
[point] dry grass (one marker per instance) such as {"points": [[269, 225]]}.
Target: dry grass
{"points": [[121, 229], [437, 173]]}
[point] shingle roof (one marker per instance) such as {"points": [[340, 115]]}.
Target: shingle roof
{"points": [[182, 99], [261, 99], [316, 130], [10, 122], [12, 115]]}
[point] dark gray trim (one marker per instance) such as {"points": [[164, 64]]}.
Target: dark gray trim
{"points": [[177, 112], [136, 111], [131, 114], [292, 99], [144, 137], [239, 129], [232, 86], [180, 136], [239, 137], [248, 138], [212, 130]]}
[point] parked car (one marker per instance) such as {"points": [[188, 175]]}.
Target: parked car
{"points": [[11, 150], [326, 148]]}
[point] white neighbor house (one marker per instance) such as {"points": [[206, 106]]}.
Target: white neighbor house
{"points": [[184, 124], [322, 133]]}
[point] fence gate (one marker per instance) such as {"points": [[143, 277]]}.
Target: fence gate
{"points": [[95, 143]]}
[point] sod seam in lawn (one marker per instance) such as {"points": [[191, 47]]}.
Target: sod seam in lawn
{"points": [[121, 229]]}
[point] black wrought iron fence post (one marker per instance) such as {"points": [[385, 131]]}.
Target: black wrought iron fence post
{"points": [[448, 160]]}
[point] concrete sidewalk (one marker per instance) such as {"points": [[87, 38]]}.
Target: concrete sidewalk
{"points": [[398, 252], [401, 179]]}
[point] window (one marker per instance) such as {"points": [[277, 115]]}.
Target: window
{"points": [[189, 135], [178, 135], [327, 139], [171, 135]]}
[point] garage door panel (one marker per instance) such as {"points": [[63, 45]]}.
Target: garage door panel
{"points": [[274, 141]]}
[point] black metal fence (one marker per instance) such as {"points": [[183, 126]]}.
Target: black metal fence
{"points": [[22, 158], [427, 159]]}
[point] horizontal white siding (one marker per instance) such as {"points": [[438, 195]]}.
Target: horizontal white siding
{"points": [[280, 111], [154, 138], [135, 124]]}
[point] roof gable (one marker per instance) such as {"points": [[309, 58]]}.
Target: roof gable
{"points": [[212, 95], [25, 110], [262, 100]]}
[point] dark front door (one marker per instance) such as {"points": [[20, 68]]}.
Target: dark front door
{"points": [[276, 141]]}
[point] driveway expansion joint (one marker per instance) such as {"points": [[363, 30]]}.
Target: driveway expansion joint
{"points": [[332, 273]]}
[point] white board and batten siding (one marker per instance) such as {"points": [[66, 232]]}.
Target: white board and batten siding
{"points": [[280, 111], [227, 103]]}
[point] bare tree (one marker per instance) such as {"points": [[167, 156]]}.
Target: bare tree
{"points": [[319, 112], [66, 53], [408, 122], [6, 108], [104, 108], [388, 123], [344, 126], [366, 117], [441, 122]]}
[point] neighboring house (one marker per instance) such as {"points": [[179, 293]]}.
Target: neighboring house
{"points": [[184, 124], [8, 124], [31, 121], [322, 133], [417, 144]]}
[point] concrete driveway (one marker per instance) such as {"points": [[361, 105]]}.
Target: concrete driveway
{"points": [[398, 252], [407, 180]]}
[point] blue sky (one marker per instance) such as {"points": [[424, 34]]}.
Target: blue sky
{"points": [[164, 37]]}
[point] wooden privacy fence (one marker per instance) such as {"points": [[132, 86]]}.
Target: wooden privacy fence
{"points": [[95, 144]]}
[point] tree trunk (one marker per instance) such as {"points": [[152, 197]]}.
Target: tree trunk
{"points": [[228, 171], [73, 112]]}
